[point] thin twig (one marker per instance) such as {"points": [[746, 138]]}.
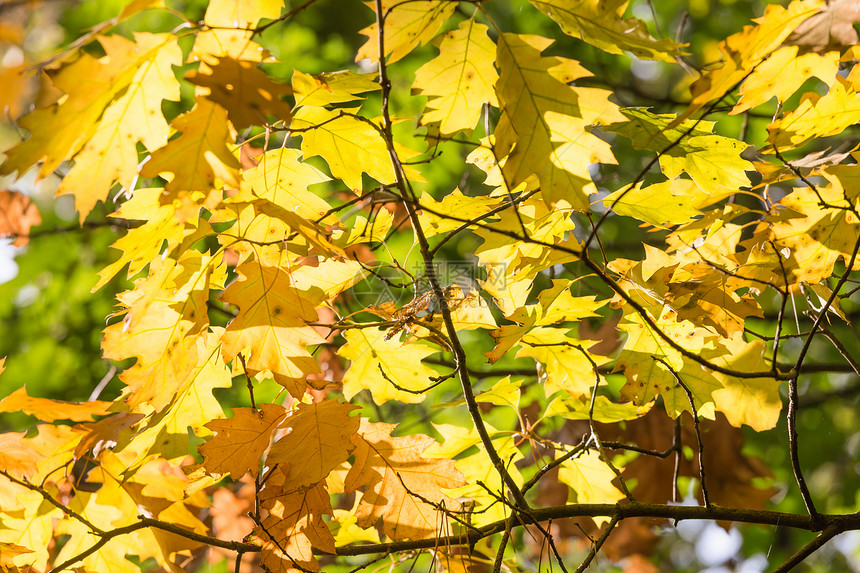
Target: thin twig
{"points": [[695, 414], [595, 547], [829, 533], [50, 499]]}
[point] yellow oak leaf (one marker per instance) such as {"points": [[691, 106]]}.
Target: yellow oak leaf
{"points": [[374, 228], [269, 232], [378, 364], [505, 392], [158, 489], [241, 14], [28, 522], [604, 411], [392, 469], [455, 203], [459, 81], [318, 442], [484, 158], [164, 317], [709, 300], [57, 132], [590, 478], [143, 244], [92, 117], [111, 152], [283, 179], [331, 88], [643, 356], [349, 145], [564, 361], [199, 158], [662, 205], [529, 88], [712, 161], [478, 467], [346, 529], [165, 433], [508, 295], [247, 93], [817, 116], [408, 23], [522, 260], [293, 529], [782, 74], [228, 30], [110, 557], [820, 235], [745, 50], [271, 325], [8, 553], [751, 401], [600, 23], [330, 275], [240, 441], [18, 456], [554, 304]]}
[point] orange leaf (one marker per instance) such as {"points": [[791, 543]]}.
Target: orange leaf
{"points": [[293, 529], [318, 442], [271, 324], [239, 442], [17, 456], [48, 410], [398, 481], [17, 215]]}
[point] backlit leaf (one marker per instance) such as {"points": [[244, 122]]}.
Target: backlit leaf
{"points": [[318, 442], [459, 81], [408, 23], [397, 480], [240, 441], [600, 24], [378, 365]]}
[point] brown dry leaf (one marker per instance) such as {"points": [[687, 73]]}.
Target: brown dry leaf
{"points": [[239, 442], [606, 335], [319, 441], [729, 477], [17, 215], [105, 433], [728, 472], [293, 529], [8, 551], [395, 475], [829, 29]]}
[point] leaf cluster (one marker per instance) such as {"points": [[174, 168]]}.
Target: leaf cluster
{"points": [[328, 348]]}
